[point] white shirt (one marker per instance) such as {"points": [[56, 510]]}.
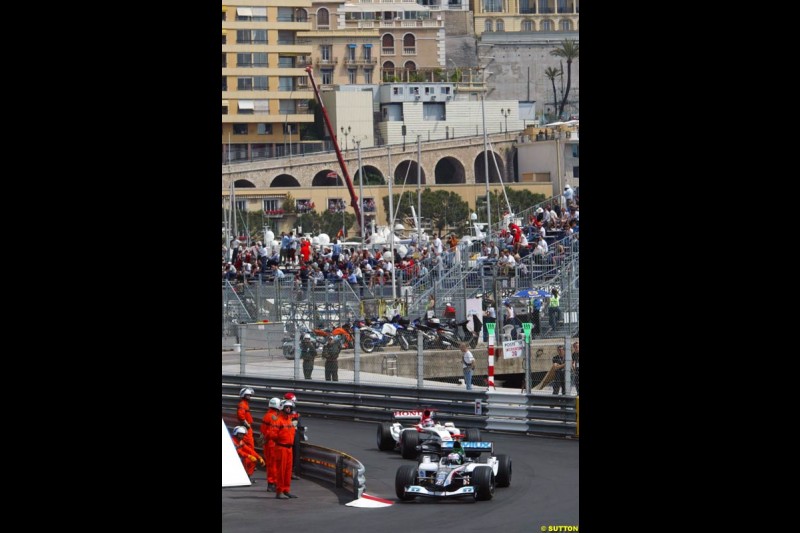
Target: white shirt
{"points": [[467, 359], [437, 246]]}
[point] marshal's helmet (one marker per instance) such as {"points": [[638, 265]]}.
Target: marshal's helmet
{"points": [[239, 430], [246, 391], [275, 403]]}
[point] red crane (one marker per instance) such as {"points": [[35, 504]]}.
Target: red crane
{"points": [[332, 133]]}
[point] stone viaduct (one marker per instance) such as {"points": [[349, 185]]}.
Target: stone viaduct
{"points": [[443, 162]]}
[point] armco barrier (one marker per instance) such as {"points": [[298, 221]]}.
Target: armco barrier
{"points": [[541, 414]]}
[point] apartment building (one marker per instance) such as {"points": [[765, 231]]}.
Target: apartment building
{"points": [[262, 102], [525, 15]]}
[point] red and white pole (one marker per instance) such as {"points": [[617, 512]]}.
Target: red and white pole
{"points": [[490, 328]]}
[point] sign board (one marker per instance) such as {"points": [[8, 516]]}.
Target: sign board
{"points": [[513, 349], [490, 327]]}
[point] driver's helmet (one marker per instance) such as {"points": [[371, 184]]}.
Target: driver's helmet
{"points": [[428, 423], [454, 459]]}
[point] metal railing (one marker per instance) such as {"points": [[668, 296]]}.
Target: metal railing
{"points": [[552, 415]]}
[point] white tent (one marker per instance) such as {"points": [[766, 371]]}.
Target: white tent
{"points": [[233, 473]]}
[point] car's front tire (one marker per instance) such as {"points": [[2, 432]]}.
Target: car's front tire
{"points": [[503, 470], [406, 475], [483, 479]]}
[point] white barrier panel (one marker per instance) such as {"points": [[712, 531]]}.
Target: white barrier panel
{"points": [[233, 472]]}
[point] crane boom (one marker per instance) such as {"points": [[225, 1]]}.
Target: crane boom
{"points": [[332, 133]]}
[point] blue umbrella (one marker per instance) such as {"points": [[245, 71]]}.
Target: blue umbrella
{"points": [[532, 293]]}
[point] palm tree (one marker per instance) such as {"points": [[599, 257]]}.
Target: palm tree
{"points": [[569, 51], [551, 73]]}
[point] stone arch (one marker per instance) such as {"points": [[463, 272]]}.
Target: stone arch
{"points": [[374, 176], [410, 167], [480, 177], [327, 178], [242, 184], [449, 170], [323, 18], [284, 180]]}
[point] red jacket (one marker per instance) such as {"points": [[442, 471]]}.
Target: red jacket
{"points": [[284, 430], [243, 449]]}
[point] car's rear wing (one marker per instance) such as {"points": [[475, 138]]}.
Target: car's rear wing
{"points": [[409, 415], [469, 446]]}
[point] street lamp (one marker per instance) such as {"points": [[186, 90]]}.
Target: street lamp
{"points": [[505, 113], [345, 132]]}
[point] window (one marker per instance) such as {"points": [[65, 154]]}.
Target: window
{"points": [[351, 76], [285, 83], [325, 52], [397, 91], [327, 76], [527, 25], [444, 90], [575, 150], [301, 15], [367, 52], [285, 14], [336, 205], [285, 62], [251, 14], [304, 205], [285, 37], [500, 26], [409, 44], [260, 83], [272, 204], [224, 16], [244, 60], [368, 203], [240, 129], [259, 59], [543, 7], [224, 60], [246, 107], [323, 19], [241, 205], [287, 107], [351, 52], [244, 84], [224, 83], [251, 36], [492, 6], [433, 111], [224, 39], [368, 76], [566, 25], [388, 44], [526, 6], [575, 173], [487, 25], [263, 128], [547, 25], [261, 107], [564, 6], [224, 110]]}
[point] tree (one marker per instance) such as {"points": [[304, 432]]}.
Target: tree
{"points": [[551, 73], [444, 209], [569, 50]]}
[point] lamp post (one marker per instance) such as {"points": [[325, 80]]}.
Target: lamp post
{"points": [[345, 132], [505, 113]]}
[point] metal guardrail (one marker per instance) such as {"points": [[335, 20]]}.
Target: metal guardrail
{"points": [[552, 415]]}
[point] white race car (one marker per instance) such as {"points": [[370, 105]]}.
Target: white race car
{"points": [[444, 472], [395, 435]]}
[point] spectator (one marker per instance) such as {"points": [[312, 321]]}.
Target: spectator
{"points": [[576, 367], [559, 362], [467, 363], [553, 310], [569, 194], [511, 318]]}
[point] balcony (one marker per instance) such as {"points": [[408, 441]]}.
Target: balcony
{"points": [[326, 62], [387, 51], [361, 61]]}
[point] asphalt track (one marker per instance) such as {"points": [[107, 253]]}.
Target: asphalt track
{"points": [[543, 491]]}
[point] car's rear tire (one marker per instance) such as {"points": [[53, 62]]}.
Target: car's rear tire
{"points": [[473, 435], [503, 470], [483, 480], [406, 475], [385, 440], [409, 440]]}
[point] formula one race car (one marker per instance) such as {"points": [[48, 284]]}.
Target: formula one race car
{"points": [[445, 471], [394, 435]]}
